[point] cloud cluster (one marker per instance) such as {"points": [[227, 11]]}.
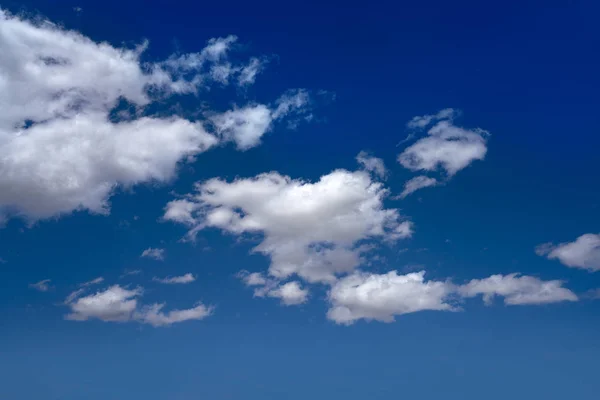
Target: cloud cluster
{"points": [[583, 253], [118, 304], [73, 119], [316, 230]]}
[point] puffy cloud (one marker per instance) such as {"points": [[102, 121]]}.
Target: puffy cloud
{"points": [[416, 183], [583, 253], [372, 164], [156, 254], [290, 293], [154, 316], [382, 296], [183, 279], [518, 290], [61, 146], [447, 146], [315, 230], [113, 304], [117, 304], [42, 286]]}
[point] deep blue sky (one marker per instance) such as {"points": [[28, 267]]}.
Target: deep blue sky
{"points": [[525, 71]]}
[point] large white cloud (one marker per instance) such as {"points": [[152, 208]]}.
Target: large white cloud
{"points": [[61, 148], [118, 304], [446, 146], [316, 230], [583, 253], [518, 290], [383, 296]]}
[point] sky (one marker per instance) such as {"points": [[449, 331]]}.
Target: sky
{"points": [[290, 200]]}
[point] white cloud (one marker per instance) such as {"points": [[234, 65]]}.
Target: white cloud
{"points": [[183, 279], [421, 122], [156, 254], [92, 282], [518, 290], [247, 125], [583, 253], [154, 316], [315, 230], [416, 183], [113, 304], [42, 286], [60, 148], [382, 296], [372, 164], [447, 146], [290, 293], [117, 304]]}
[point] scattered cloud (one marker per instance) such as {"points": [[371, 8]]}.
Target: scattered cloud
{"points": [[424, 120], [315, 230], [92, 282], [128, 272], [154, 316], [156, 254], [447, 146], [416, 183], [183, 279], [42, 286], [118, 304], [372, 164], [382, 296], [290, 293], [518, 290], [583, 253], [63, 149]]}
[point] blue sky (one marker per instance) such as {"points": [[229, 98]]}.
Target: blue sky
{"points": [[266, 200]]}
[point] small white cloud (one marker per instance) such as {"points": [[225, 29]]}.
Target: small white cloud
{"points": [[447, 146], [117, 304], [42, 286], [183, 279], [424, 120], [154, 316], [372, 164], [128, 272], [92, 282], [156, 254], [583, 253], [382, 296], [114, 304], [518, 290], [417, 183], [290, 293]]}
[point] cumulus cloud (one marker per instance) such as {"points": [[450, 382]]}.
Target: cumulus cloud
{"points": [[183, 279], [156, 254], [417, 183], [447, 146], [42, 286], [382, 296], [372, 164], [583, 253], [118, 304], [316, 230], [61, 148], [421, 122], [518, 290]]}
